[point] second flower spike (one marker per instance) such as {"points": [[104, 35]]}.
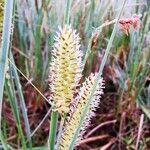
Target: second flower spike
{"points": [[81, 104]]}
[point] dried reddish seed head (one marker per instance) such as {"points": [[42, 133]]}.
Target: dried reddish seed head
{"points": [[126, 23]]}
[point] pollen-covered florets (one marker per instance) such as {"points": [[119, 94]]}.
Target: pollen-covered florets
{"points": [[65, 68], [1, 17], [82, 100]]}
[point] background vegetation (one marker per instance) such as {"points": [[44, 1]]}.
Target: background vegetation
{"points": [[122, 120]]}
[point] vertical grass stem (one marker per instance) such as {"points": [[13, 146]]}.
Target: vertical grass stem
{"points": [[97, 79], [8, 11], [53, 127]]}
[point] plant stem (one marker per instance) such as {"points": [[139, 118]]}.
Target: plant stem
{"points": [[60, 130], [30, 82], [96, 31], [96, 81], [9, 86], [42, 121], [38, 55], [21, 100], [8, 10], [53, 128], [67, 11], [3, 141]]}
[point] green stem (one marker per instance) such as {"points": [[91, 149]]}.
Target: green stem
{"points": [[9, 86], [8, 10], [67, 11], [53, 128], [98, 30], [38, 55], [21, 100], [96, 81], [60, 131], [4, 144]]}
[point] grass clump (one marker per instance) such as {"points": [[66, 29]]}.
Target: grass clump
{"points": [[42, 113]]}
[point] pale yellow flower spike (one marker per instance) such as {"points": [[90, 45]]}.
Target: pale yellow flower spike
{"points": [[1, 18], [65, 68], [82, 100]]}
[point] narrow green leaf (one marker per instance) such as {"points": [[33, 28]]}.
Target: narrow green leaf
{"points": [[8, 10], [146, 110], [21, 100], [9, 86], [67, 11], [53, 128], [98, 78], [3, 141]]}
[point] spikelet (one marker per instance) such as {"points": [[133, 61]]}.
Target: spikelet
{"points": [[1, 18], [82, 100], [65, 68]]}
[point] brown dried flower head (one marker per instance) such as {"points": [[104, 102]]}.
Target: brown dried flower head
{"points": [[127, 23]]}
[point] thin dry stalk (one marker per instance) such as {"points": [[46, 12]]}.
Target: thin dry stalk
{"points": [[30, 82], [99, 126], [91, 139], [122, 123], [105, 147], [139, 131], [42, 121]]}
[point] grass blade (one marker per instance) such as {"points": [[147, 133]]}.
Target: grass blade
{"points": [[9, 86], [22, 101], [38, 55], [4, 145], [145, 110], [8, 11], [98, 77], [67, 11], [53, 127], [42, 121]]}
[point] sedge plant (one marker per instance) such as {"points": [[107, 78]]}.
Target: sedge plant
{"points": [[69, 100], [63, 77], [73, 99]]}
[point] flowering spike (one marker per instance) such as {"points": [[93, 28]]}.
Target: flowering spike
{"points": [[1, 17], [82, 100], [65, 68]]}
